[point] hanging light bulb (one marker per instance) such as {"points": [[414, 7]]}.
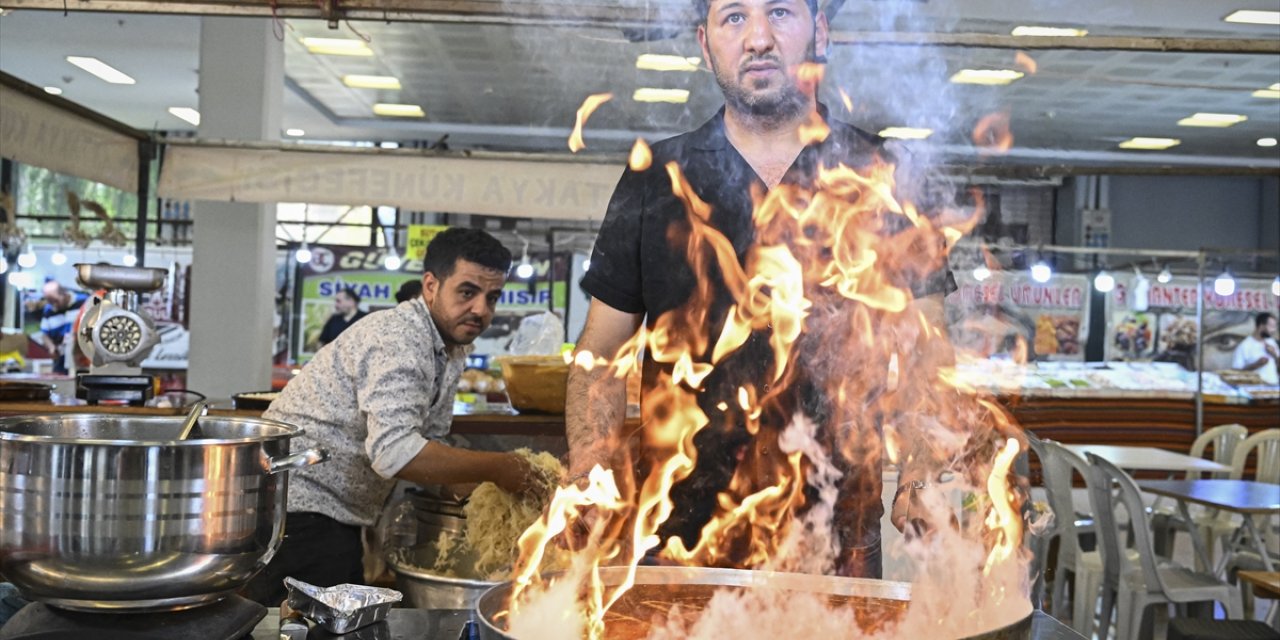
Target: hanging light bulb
{"points": [[130, 260], [1165, 275], [27, 259], [302, 255], [1275, 286], [1104, 281], [525, 270], [1224, 285], [981, 272], [4, 264], [586, 265], [392, 261], [1041, 272], [58, 258]]}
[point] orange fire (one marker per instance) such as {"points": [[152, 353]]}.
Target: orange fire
{"points": [[1025, 62], [588, 107], [992, 134], [641, 157], [827, 285]]}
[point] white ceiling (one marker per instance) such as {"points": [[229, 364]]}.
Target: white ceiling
{"points": [[517, 87]]}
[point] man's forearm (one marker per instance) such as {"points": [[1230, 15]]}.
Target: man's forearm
{"points": [[1256, 364], [594, 414], [439, 463]]}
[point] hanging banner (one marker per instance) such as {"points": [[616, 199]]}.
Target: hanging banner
{"points": [[1166, 331], [38, 133], [420, 236], [360, 269], [541, 188], [994, 317]]}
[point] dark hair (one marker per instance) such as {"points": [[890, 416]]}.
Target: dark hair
{"points": [[703, 7], [1262, 319], [409, 290], [473, 245], [351, 293]]}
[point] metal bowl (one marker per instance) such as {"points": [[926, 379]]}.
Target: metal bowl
{"points": [[109, 512], [425, 589], [878, 594]]}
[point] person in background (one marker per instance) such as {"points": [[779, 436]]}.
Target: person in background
{"points": [[380, 400], [409, 290], [1258, 352], [346, 311], [57, 319]]}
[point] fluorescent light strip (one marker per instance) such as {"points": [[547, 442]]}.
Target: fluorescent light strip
{"points": [[1060, 32], [398, 110], [1272, 91], [53, 91], [1267, 142], [296, 133], [371, 82], [986, 76], [186, 113], [1252, 16], [1212, 120], [649, 94], [906, 133], [1155, 144], [337, 47], [661, 62], [102, 70]]}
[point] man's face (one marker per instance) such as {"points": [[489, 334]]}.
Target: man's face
{"points": [[344, 303], [756, 47], [1269, 329], [462, 305], [54, 296]]}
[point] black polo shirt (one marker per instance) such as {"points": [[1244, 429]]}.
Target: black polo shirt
{"points": [[640, 265]]}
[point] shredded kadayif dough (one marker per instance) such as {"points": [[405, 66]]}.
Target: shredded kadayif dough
{"points": [[495, 518]]}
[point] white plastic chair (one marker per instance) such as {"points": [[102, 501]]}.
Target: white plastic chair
{"points": [[1151, 581], [1225, 439], [1240, 555], [1085, 566]]}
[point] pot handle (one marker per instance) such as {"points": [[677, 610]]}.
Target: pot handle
{"points": [[304, 458]]}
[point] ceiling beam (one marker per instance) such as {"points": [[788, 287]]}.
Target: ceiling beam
{"points": [[1089, 43]]}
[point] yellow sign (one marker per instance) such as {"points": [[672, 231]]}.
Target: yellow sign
{"points": [[419, 236]]}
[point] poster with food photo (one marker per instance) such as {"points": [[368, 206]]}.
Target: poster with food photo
{"points": [[1167, 331], [1008, 314]]}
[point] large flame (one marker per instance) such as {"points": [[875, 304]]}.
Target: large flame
{"points": [[588, 107], [828, 286]]}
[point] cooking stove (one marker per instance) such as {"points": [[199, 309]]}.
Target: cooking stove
{"points": [[230, 619]]}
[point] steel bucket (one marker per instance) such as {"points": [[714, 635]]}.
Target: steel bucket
{"points": [[493, 604], [109, 512], [425, 589]]}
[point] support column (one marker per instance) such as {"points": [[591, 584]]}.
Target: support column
{"points": [[234, 255]]}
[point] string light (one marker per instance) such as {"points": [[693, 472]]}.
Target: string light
{"points": [[1104, 281], [1041, 272], [981, 272], [303, 255]]}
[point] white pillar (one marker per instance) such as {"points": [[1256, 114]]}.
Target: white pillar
{"points": [[234, 255]]}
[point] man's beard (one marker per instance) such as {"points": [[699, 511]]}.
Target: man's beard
{"points": [[784, 103]]}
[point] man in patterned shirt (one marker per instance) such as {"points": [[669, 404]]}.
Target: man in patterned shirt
{"points": [[380, 398]]}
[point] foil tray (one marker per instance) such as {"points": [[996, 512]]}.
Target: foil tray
{"points": [[341, 608]]}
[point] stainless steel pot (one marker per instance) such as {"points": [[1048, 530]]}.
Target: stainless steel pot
{"points": [[110, 512], [491, 607]]}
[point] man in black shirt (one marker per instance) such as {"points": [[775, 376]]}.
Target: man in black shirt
{"points": [[640, 268], [346, 311]]}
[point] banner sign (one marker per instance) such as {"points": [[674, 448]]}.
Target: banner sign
{"points": [[545, 188], [1166, 330], [420, 236], [991, 317], [360, 269]]}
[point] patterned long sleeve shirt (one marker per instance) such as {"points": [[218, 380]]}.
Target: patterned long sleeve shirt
{"points": [[374, 397]]}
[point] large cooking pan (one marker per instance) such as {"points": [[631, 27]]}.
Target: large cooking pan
{"points": [[110, 512], [875, 599]]}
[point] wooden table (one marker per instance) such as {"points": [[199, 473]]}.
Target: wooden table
{"points": [[1148, 458], [1266, 584], [1245, 497]]}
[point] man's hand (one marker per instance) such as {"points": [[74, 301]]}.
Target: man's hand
{"points": [[516, 476], [908, 509], [1272, 351]]}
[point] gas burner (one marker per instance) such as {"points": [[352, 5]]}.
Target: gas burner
{"points": [[229, 619]]}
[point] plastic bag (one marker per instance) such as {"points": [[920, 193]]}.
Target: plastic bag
{"points": [[538, 335]]}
